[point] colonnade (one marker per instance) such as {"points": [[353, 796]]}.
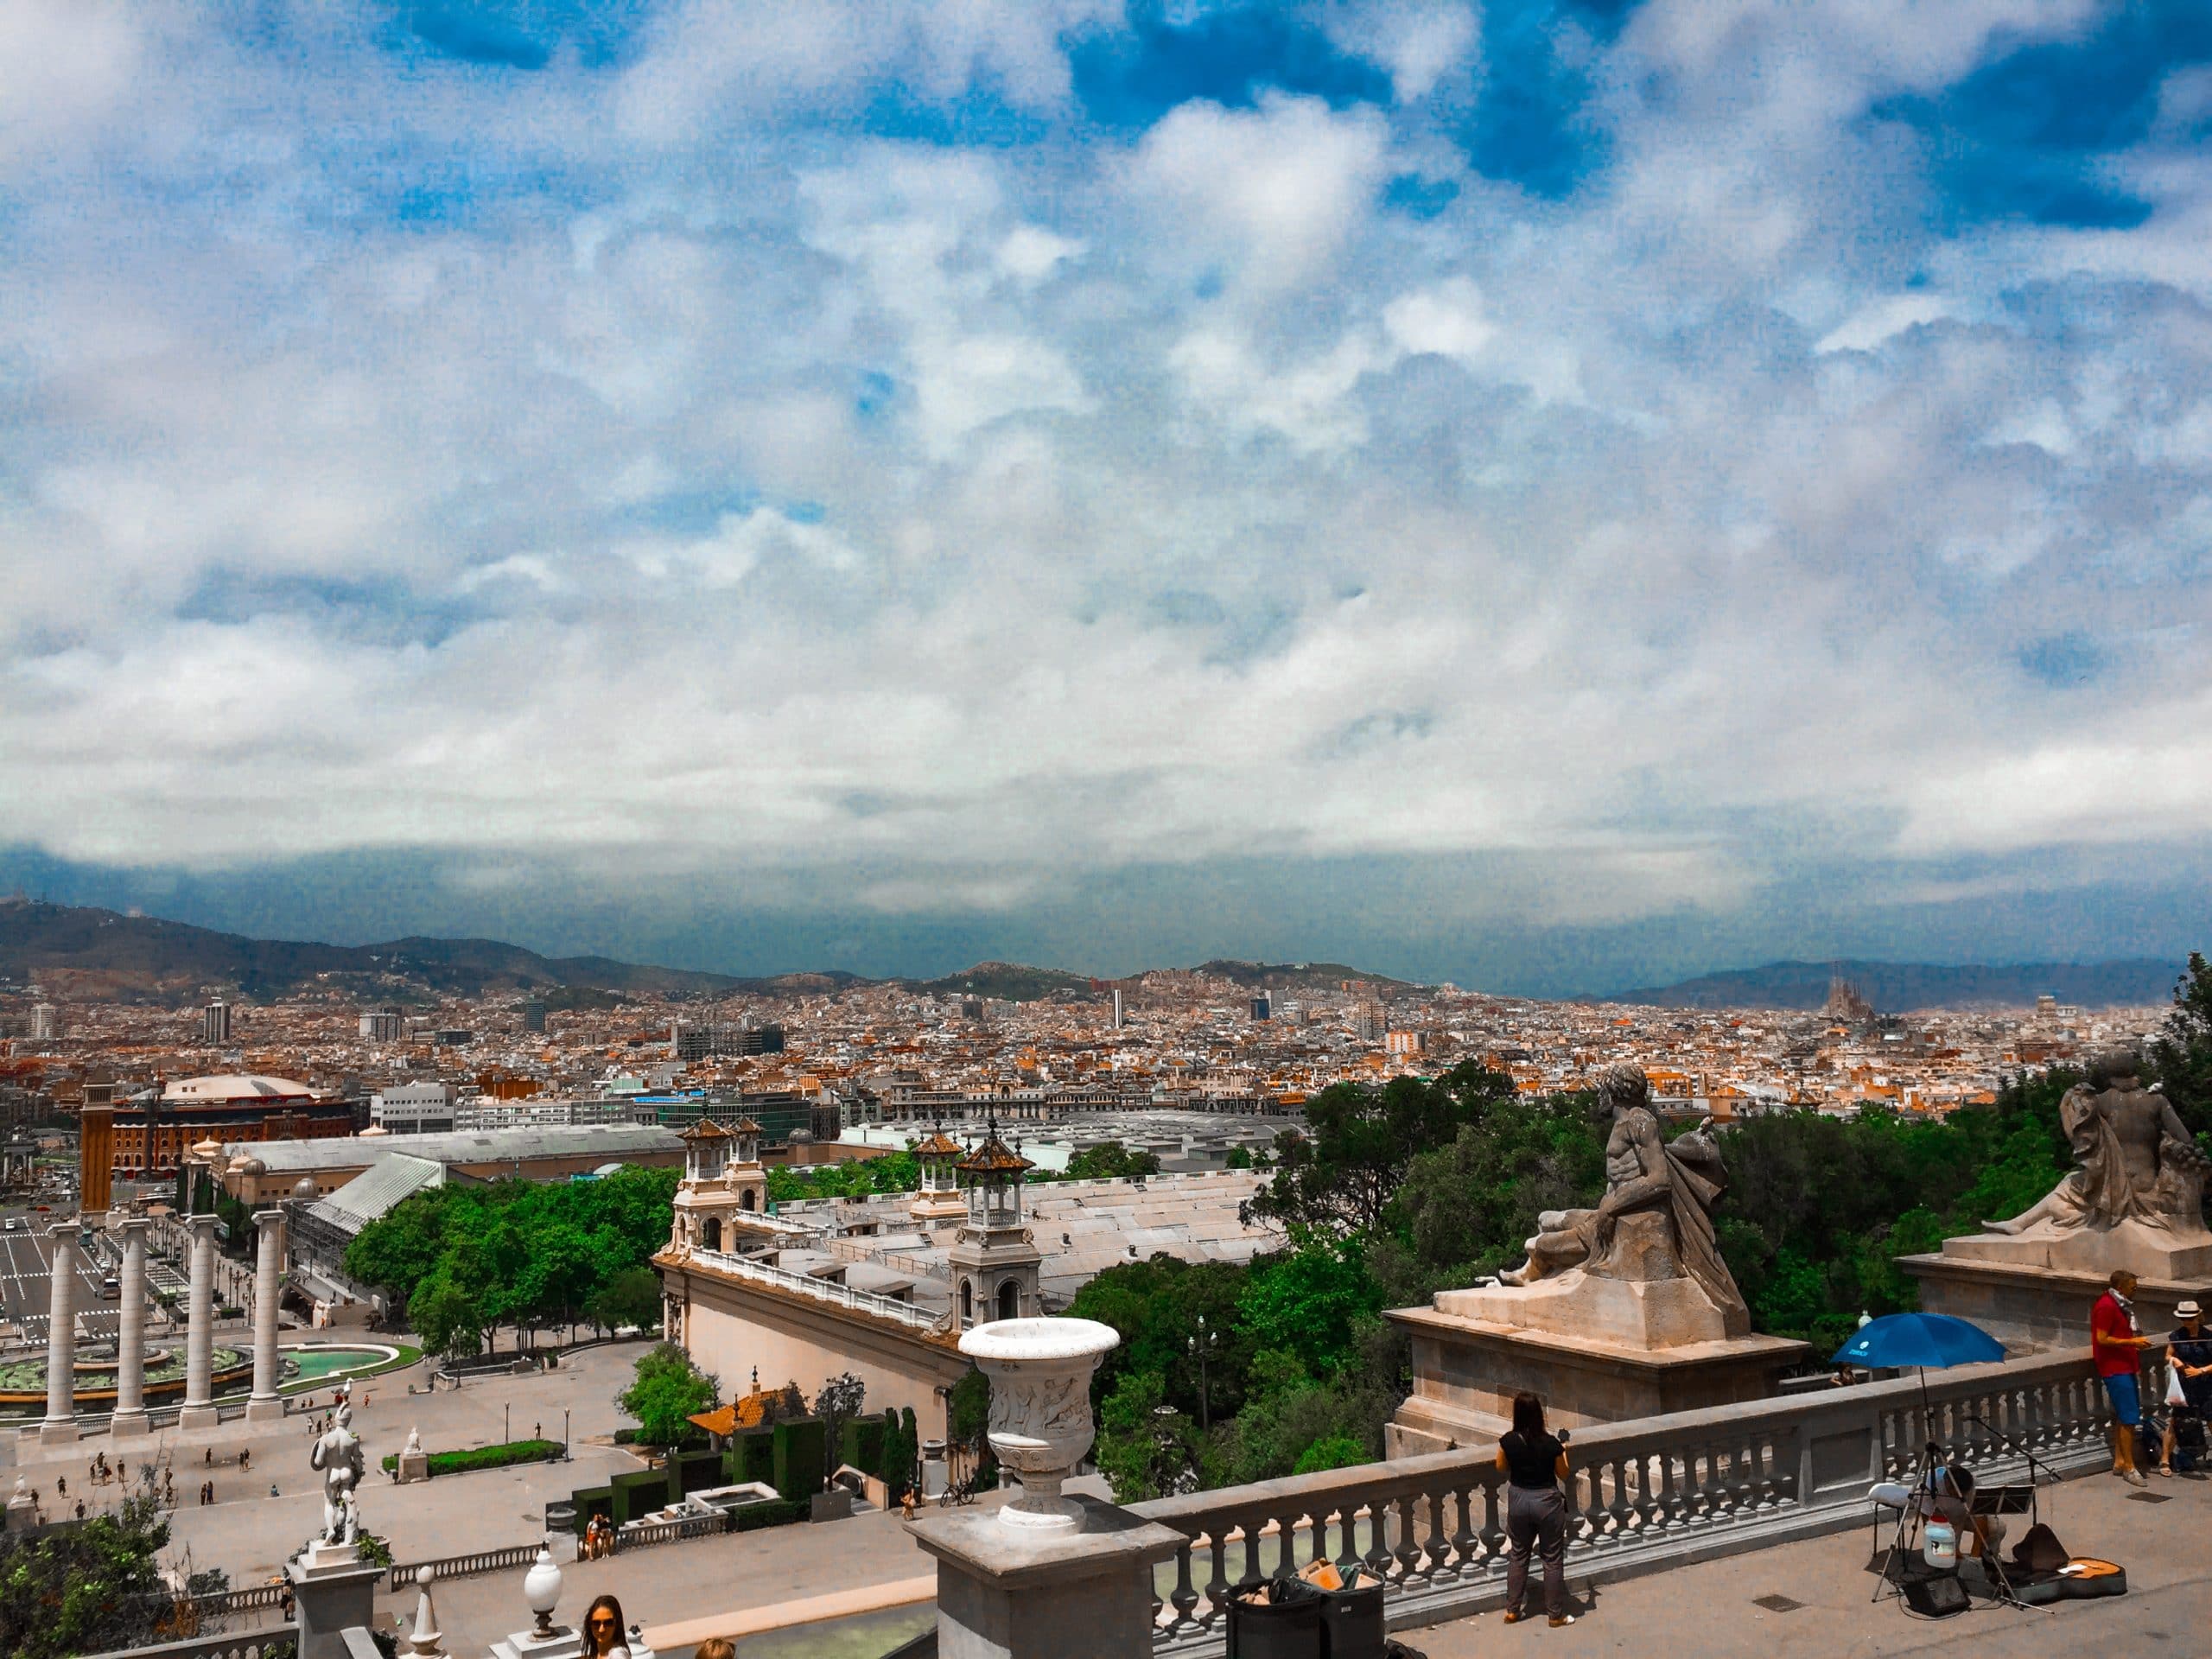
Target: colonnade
{"points": [[199, 1409]]}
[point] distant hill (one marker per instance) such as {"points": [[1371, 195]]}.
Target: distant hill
{"points": [[1902, 987], [1009, 982], [99, 953], [1298, 975]]}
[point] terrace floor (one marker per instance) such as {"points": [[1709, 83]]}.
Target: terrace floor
{"points": [[1711, 1610]]}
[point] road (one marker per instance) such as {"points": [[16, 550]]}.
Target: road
{"points": [[25, 1285]]}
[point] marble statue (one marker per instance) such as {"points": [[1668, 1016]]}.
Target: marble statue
{"points": [[2133, 1159], [1655, 1220], [338, 1455]]}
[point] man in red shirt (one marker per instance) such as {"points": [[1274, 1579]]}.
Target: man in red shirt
{"points": [[2116, 1346]]}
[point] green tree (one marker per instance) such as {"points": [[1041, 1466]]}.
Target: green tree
{"points": [[631, 1297], [1145, 1448], [1310, 1301], [1331, 1452], [448, 1319], [667, 1391], [2181, 1057], [1161, 1308], [90, 1588], [1110, 1160], [1343, 1174], [1466, 1208]]}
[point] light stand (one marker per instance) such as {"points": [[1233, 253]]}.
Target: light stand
{"points": [[1922, 1487]]}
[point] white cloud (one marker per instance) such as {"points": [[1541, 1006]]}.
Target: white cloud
{"points": [[1885, 321], [681, 474], [1273, 194]]}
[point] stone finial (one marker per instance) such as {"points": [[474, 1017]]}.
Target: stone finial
{"points": [[425, 1641]]}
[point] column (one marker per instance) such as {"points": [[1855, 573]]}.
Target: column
{"points": [[130, 1333], [268, 1277], [200, 1335], [60, 1422]]}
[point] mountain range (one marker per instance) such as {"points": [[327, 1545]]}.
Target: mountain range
{"points": [[1902, 987], [102, 954]]}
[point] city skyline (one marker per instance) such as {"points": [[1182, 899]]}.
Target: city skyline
{"points": [[1555, 498]]}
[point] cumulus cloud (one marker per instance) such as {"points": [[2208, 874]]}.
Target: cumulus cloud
{"points": [[843, 439]]}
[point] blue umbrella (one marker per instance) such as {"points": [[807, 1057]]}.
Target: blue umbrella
{"points": [[1896, 1340]]}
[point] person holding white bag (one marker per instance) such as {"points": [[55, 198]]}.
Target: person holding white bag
{"points": [[2189, 1381]]}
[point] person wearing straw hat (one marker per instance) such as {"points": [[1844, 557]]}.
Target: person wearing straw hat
{"points": [[2188, 1356]]}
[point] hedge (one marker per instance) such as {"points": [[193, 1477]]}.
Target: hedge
{"points": [[776, 1512], [486, 1456], [751, 1456], [800, 1445]]}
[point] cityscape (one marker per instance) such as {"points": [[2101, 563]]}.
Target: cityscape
{"points": [[1104, 828]]}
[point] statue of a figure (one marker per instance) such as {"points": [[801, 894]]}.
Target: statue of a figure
{"points": [[2134, 1159], [338, 1455], [1655, 1220]]}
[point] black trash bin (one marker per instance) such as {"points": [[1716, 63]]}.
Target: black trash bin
{"points": [[1286, 1625], [1352, 1621]]}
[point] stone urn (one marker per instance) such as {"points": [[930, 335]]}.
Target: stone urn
{"points": [[1041, 1409]]}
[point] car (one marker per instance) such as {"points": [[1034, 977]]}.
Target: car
{"points": [[110, 1288]]}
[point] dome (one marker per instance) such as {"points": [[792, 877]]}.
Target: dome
{"points": [[210, 1147], [304, 1189], [248, 1167], [374, 1129], [800, 1137], [236, 1086]]}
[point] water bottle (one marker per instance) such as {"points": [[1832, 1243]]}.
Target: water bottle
{"points": [[1939, 1547]]}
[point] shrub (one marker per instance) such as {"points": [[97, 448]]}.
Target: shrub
{"points": [[486, 1456], [776, 1512]]}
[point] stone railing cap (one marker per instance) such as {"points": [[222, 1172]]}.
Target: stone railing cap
{"points": [[1040, 1340]]}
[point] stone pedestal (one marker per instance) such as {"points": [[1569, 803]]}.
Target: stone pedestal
{"points": [[1015, 1593], [414, 1465], [1597, 1350], [2032, 1290], [334, 1591]]}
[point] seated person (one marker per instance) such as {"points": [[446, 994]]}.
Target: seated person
{"points": [[1950, 1497]]}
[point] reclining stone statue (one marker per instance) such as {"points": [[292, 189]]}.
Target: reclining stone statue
{"points": [[1655, 1220], [2134, 1159]]}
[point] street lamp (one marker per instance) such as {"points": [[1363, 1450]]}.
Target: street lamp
{"points": [[1199, 1345]]}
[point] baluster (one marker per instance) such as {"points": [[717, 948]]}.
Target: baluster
{"points": [[1377, 1558], [1287, 1561], [1436, 1546], [1696, 1494], [1592, 1514], [1408, 1550], [1348, 1552], [1464, 1542], [1218, 1585], [1185, 1596], [1619, 1515], [1493, 1527]]}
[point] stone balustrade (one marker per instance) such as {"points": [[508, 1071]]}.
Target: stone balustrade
{"points": [[822, 1290], [1644, 1496]]}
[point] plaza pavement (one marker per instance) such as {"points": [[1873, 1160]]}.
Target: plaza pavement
{"points": [[1707, 1611]]}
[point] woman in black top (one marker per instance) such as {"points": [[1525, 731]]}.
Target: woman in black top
{"points": [[1536, 1513]]}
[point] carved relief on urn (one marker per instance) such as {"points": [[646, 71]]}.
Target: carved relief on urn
{"points": [[1041, 1425]]}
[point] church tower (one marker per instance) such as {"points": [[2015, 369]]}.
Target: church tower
{"points": [[995, 1261]]}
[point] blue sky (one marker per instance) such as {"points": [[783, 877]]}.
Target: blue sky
{"points": [[1547, 495]]}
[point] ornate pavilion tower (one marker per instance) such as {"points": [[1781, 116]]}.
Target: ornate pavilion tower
{"points": [[995, 1261]]}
